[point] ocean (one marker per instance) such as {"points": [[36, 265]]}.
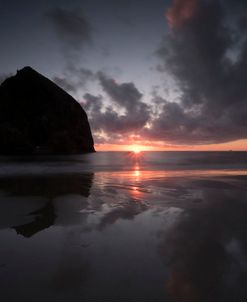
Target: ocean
{"points": [[120, 226]]}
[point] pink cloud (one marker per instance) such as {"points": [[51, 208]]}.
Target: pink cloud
{"points": [[180, 12]]}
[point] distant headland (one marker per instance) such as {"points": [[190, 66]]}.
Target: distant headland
{"points": [[38, 117]]}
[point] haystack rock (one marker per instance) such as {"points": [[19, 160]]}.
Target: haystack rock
{"points": [[37, 116]]}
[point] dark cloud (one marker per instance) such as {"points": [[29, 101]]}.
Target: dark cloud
{"points": [[205, 55], [124, 96], [93, 103], [84, 75], [74, 78], [72, 28], [205, 51], [65, 83], [180, 12], [74, 32]]}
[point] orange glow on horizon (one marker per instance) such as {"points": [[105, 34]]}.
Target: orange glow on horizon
{"points": [[128, 147], [240, 145]]}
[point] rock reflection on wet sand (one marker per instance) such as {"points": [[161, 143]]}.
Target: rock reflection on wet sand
{"points": [[124, 236]]}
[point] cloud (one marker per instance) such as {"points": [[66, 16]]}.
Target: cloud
{"points": [[65, 83], [74, 32], [205, 51], [72, 28], [128, 97], [74, 78], [205, 54], [123, 97], [125, 94], [181, 11]]}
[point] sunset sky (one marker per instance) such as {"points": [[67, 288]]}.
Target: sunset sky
{"points": [[163, 75]]}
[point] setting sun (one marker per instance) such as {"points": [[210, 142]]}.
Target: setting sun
{"points": [[136, 149]]}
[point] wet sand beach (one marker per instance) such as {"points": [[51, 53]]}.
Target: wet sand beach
{"points": [[140, 232]]}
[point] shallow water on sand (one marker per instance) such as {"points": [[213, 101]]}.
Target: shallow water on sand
{"points": [[121, 227]]}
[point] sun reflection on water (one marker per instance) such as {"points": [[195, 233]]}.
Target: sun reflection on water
{"points": [[137, 172], [136, 192]]}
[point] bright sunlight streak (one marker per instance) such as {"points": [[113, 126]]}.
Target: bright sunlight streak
{"points": [[136, 153]]}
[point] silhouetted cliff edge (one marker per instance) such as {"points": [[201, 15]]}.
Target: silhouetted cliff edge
{"points": [[37, 116]]}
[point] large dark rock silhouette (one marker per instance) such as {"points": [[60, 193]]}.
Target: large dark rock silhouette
{"points": [[37, 116]]}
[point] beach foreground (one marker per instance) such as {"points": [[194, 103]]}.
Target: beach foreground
{"points": [[137, 234]]}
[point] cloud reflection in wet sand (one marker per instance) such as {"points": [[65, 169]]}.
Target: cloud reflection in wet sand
{"points": [[206, 250], [134, 235]]}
